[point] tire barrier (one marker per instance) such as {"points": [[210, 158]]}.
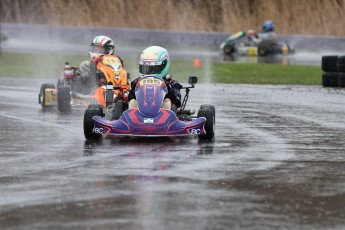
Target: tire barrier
{"points": [[333, 68]]}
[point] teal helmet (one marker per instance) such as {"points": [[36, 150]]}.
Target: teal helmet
{"points": [[154, 60]]}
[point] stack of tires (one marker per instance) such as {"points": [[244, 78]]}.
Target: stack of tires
{"points": [[341, 71], [333, 68]]}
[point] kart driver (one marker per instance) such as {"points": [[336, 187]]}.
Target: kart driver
{"points": [[88, 79], [253, 38], [268, 34], [155, 61]]}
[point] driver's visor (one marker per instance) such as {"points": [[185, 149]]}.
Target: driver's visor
{"points": [[97, 49], [150, 67]]}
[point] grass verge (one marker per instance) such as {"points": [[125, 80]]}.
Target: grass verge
{"points": [[49, 66], [250, 73]]}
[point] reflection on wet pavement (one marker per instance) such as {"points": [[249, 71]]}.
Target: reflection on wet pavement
{"points": [[277, 163]]}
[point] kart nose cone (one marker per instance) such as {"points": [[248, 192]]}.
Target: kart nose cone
{"points": [[150, 99]]}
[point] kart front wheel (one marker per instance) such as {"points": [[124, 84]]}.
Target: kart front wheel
{"points": [[92, 110], [209, 112], [228, 49], [207, 106], [64, 99], [42, 96]]}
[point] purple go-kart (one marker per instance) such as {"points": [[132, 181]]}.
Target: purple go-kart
{"points": [[149, 118]]}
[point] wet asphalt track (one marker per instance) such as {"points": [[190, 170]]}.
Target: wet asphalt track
{"points": [[277, 163]]}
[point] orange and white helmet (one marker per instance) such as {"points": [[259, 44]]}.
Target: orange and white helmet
{"points": [[100, 46]]}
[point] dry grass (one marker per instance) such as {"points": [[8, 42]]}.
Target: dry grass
{"points": [[318, 17]]}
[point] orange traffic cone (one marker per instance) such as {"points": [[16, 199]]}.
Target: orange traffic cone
{"points": [[196, 63]]}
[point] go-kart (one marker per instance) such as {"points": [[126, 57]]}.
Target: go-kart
{"points": [[67, 93], [149, 118], [235, 44]]}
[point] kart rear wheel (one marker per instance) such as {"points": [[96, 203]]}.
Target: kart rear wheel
{"points": [[92, 110], [262, 51], [120, 107], [265, 48], [42, 96], [64, 99], [209, 112]]}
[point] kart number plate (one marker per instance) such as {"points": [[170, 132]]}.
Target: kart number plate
{"points": [[111, 60], [148, 120]]}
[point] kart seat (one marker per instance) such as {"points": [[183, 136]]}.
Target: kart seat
{"points": [[133, 104]]}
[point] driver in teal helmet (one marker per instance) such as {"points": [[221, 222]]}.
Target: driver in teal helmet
{"points": [[155, 61]]}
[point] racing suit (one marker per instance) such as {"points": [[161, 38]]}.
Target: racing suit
{"points": [[88, 78], [86, 81], [269, 37]]}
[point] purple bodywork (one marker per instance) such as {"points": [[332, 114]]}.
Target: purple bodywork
{"points": [[149, 119]]}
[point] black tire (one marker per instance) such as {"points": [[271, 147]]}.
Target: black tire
{"points": [[92, 110], [341, 64], [42, 96], [64, 99], [265, 48], [329, 63], [120, 107], [341, 80], [229, 49], [208, 111], [262, 51], [330, 79], [207, 106]]}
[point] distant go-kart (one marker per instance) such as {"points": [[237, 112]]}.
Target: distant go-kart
{"points": [[235, 45], [67, 91], [149, 118]]}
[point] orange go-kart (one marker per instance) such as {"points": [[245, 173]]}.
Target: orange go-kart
{"points": [[111, 92], [114, 86]]}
